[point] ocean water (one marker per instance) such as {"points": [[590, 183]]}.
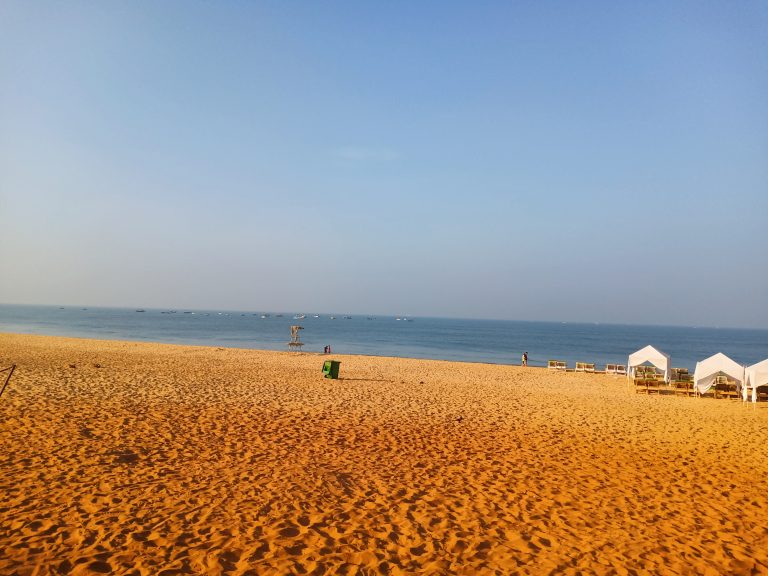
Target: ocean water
{"points": [[491, 341]]}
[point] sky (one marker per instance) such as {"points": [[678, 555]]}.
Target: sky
{"points": [[567, 161]]}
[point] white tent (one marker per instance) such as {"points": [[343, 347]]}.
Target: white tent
{"points": [[755, 376], [707, 370], [649, 354]]}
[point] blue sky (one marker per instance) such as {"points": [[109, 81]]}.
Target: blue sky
{"points": [[591, 161]]}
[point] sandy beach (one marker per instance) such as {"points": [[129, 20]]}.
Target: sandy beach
{"points": [[134, 458]]}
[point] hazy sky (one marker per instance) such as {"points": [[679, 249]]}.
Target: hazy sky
{"points": [[580, 161]]}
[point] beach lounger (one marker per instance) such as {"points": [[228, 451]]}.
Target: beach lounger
{"points": [[725, 387], [683, 385], [621, 369], [648, 382], [666, 388], [584, 367], [556, 365], [654, 383], [610, 368]]}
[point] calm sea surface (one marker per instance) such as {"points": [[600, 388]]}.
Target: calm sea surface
{"points": [[493, 341]]}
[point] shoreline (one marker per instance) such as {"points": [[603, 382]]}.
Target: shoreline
{"points": [[494, 342], [267, 350], [132, 457]]}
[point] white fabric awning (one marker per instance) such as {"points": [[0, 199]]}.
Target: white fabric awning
{"points": [[707, 370], [754, 377], [649, 354]]}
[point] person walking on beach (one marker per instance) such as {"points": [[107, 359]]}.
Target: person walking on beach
{"points": [[525, 359]]}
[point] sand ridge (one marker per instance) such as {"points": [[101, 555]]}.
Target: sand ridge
{"points": [[132, 458]]}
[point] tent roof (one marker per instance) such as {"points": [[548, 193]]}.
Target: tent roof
{"points": [[757, 374], [718, 363], [649, 354], [652, 355]]}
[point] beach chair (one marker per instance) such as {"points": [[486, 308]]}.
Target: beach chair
{"points": [[584, 367], [610, 368], [556, 365], [621, 369], [663, 387], [683, 384], [647, 380], [653, 382], [725, 387]]}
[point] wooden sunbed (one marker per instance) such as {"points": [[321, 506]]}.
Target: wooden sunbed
{"points": [[684, 387], [681, 382], [725, 387], [647, 383]]}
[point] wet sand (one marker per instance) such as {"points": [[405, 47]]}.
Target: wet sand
{"points": [[132, 458]]}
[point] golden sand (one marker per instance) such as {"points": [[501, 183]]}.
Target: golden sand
{"points": [[133, 458]]}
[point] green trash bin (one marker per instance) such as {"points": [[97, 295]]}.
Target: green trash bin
{"points": [[331, 369]]}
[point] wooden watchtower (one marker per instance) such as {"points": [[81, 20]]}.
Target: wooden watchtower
{"points": [[295, 343]]}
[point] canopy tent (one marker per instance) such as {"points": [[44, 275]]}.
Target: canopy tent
{"points": [[707, 370], [754, 377], [649, 354]]}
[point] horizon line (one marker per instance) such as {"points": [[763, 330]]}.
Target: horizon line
{"points": [[369, 314]]}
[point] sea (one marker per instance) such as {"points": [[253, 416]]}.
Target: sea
{"points": [[487, 341]]}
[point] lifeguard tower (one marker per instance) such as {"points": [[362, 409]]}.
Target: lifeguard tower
{"points": [[295, 344]]}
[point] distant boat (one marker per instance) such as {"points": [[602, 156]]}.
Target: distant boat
{"points": [[317, 315], [299, 316], [136, 310], [278, 315], [347, 317], [333, 317], [264, 315]]}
